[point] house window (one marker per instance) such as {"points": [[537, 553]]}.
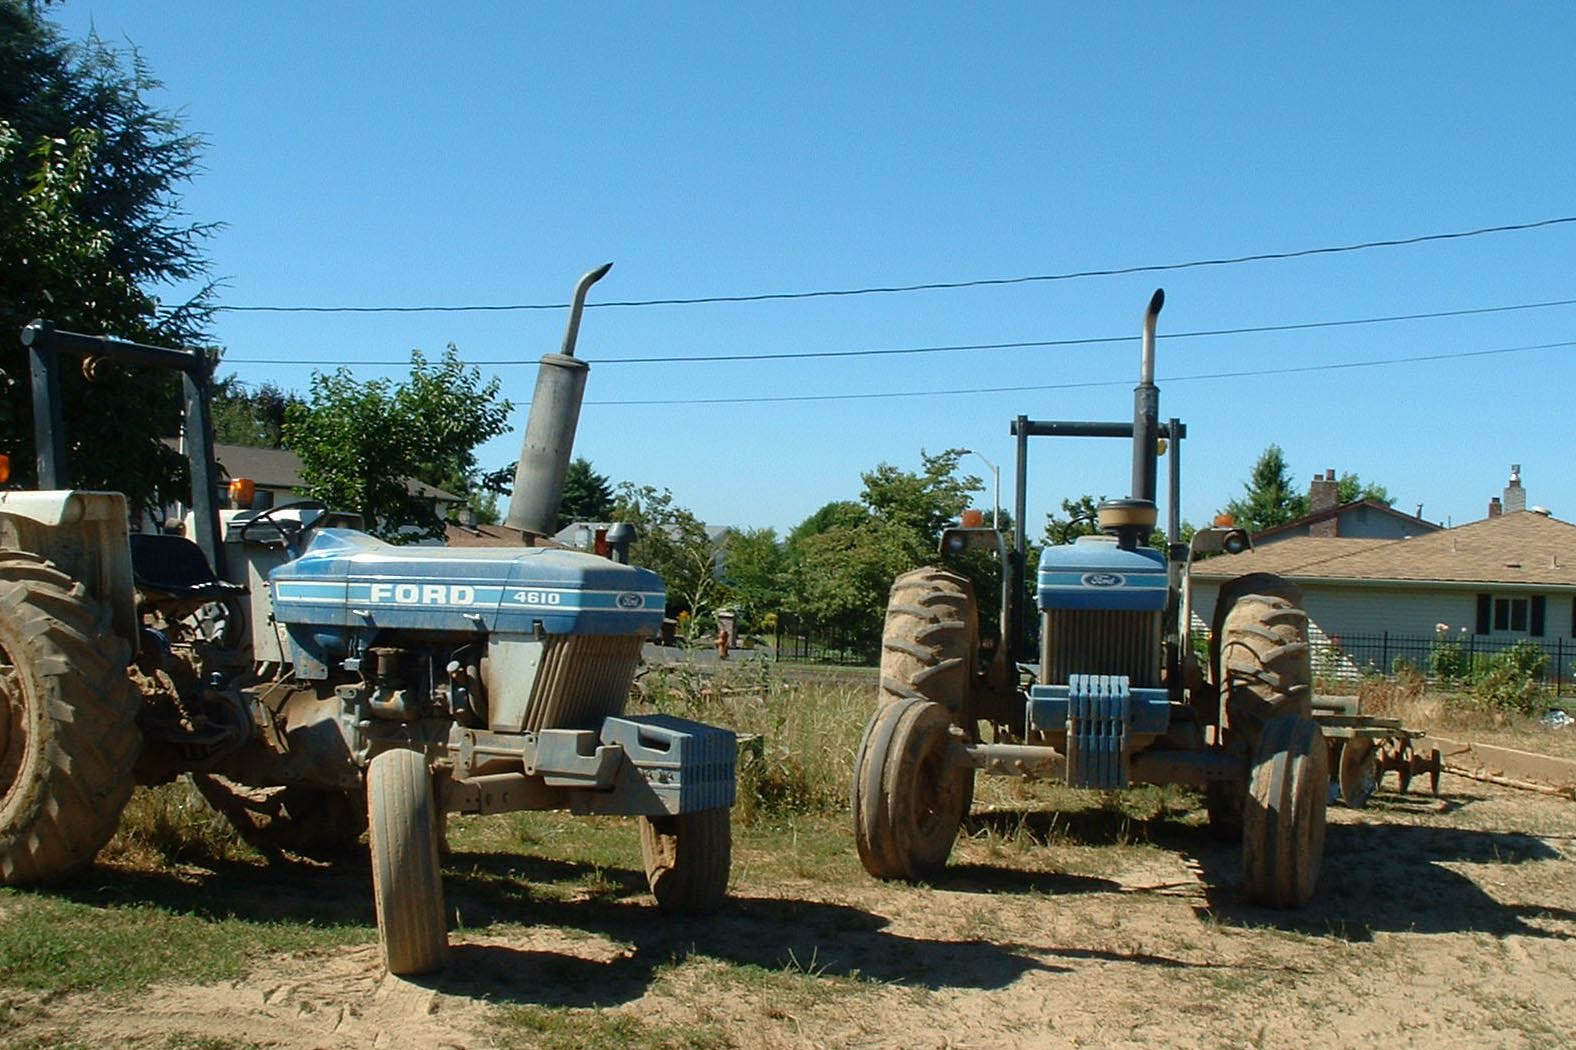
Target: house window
{"points": [[1511, 614]]}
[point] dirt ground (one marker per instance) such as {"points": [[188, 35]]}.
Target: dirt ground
{"points": [[1441, 922]]}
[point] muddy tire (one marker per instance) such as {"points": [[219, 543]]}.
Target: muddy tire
{"points": [[1359, 771], [407, 883], [910, 792], [68, 731], [930, 641], [1283, 819], [314, 822], [1265, 668], [688, 858]]}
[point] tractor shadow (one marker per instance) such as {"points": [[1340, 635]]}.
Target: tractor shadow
{"points": [[618, 941], [1381, 877], [775, 938]]}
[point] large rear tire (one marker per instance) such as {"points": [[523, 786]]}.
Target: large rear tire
{"points": [[1265, 667], [930, 641], [687, 858], [407, 883], [68, 731], [315, 822], [1284, 817], [910, 791]]}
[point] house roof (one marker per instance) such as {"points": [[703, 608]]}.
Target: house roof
{"points": [[1334, 512], [1522, 548]]}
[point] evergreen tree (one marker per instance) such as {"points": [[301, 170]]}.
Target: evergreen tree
{"points": [[90, 230], [1271, 497]]}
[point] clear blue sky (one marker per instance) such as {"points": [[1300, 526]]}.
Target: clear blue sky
{"points": [[407, 154]]}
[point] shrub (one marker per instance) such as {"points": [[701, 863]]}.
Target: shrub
{"points": [[1512, 679]]}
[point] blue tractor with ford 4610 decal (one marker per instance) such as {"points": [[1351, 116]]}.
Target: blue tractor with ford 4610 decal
{"points": [[317, 682], [1117, 695]]}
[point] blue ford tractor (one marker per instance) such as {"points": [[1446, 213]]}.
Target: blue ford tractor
{"points": [[1116, 695], [317, 682]]}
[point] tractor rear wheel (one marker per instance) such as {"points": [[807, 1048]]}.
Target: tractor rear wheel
{"points": [[1265, 670], [407, 883], [687, 858], [910, 791], [930, 641], [68, 731], [316, 822], [1283, 818]]}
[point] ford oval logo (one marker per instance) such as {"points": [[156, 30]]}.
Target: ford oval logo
{"points": [[1103, 579], [631, 600]]}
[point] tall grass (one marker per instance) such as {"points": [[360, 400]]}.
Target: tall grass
{"points": [[801, 732]]}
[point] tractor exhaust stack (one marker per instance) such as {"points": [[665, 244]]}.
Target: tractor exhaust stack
{"points": [[550, 428], [1146, 408]]}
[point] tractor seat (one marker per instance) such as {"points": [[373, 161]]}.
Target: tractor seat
{"points": [[174, 567]]}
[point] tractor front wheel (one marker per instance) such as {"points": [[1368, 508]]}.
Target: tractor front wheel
{"points": [[68, 731], [407, 883], [911, 791], [1283, 818], [687, 858], [1359, 771]]}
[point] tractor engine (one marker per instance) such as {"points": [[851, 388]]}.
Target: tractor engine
{"points": [[512, 639]]}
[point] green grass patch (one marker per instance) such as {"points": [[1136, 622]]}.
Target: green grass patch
{"points": [[542, 1029], [55, 944]]}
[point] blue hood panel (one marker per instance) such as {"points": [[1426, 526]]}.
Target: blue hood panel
{"points": [[350, 579], [1094, 573]]}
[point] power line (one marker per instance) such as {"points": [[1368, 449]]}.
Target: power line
{"points": [[785, 398], [924, 287], [800, 355]]}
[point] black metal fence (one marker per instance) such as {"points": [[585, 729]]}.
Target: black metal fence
{"points": [[807, 640], [1444, 659]]}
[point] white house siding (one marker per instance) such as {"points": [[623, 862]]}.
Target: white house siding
{"points": [[1339, 615]]}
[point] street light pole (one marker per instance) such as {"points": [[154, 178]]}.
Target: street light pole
{"points": [[995, 511]]}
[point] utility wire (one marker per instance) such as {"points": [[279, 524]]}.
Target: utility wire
{"points": [[800, 355], [925, 287], [784, 398]]}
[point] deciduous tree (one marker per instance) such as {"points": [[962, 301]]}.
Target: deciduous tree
{"points": [[361, 443]]}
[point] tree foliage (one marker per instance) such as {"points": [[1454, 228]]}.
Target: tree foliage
{"points": [[90, 231], [588, 496], [842, 559], [362, 443], [674, 543], [1270, 497], [255, 417], [755, 568]]}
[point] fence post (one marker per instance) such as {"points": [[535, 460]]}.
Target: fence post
{"points": [[1384, 655], [1559, 664]]}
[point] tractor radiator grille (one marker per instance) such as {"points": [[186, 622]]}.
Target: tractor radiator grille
{"points": [[1101, 642], [582, 680]]}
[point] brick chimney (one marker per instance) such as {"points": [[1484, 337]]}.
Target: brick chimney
{"points": [[1323, 495], [1515, 495], [1494, 509]]}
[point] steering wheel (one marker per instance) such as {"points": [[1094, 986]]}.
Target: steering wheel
{"points": [[290, 532]]}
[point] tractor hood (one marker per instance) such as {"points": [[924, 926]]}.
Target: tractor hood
{"points": [[350, 579], [1094, 573]]}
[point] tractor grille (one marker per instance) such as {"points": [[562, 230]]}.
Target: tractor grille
{"points": [[582, 680], [1078, 641]]}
